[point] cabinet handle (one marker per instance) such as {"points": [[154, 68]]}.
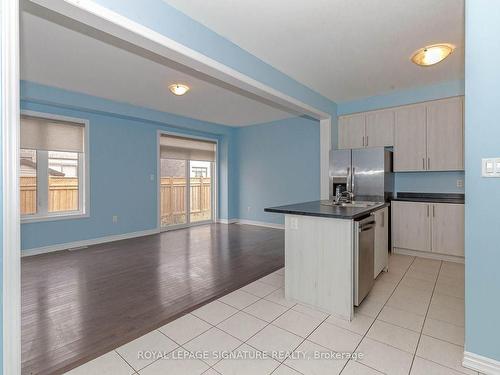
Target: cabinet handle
{"points": [[427, 210], [363, 140], [423, 163], [383, 219], [366, 141], [428, 163], [433, 210]]}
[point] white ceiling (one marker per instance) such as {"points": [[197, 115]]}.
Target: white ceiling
{"points": [[55, 55], [344, 49]]}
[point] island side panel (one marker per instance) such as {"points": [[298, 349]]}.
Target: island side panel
{"points": [[319, 263]]}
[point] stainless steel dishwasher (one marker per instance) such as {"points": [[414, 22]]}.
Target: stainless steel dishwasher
{"points": [[364, 246]]}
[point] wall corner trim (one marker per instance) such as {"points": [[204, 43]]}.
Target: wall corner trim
{"points": [[85, 243], [10, 283], [480, 363]]}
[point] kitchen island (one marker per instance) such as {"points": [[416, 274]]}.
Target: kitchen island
{"points": [[320, 242]]}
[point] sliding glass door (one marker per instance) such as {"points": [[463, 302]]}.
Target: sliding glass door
{"points": [[173, 184], [201, 191], [187, 181]]}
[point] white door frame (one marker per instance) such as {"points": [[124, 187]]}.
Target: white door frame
{"points": [[101, 18], [11, 243], [215, 185]]}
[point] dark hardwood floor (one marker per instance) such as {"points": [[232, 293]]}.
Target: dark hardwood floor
{"points": [[78, 305]]}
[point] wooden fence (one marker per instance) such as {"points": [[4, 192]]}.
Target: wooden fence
{"points": [[63, 194], [173, 202]]}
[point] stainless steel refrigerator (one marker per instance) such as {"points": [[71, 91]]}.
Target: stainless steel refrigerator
{"points": [[366, 172]]}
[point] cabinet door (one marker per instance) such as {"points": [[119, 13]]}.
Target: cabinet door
{"points": [[409, 139], [411, 225], [445, 135], [448, 229], [380, 128], [381, 257], [352, 131]]}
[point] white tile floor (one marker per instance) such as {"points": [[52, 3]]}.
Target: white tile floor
{"points": [[411, 323]]}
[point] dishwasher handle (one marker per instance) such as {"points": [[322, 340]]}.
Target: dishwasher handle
{"points": [[367, 226]]}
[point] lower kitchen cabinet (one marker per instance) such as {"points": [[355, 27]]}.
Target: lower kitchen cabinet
{"points": [[411, 227], [433, 228], [448, 229]]}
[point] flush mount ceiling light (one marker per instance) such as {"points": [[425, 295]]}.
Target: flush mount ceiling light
{"points": [[178, 89], [433, 54]]}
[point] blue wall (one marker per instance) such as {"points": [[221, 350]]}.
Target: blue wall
{"points": [[123, 153], [259, 166], [425, 182], [482, 210], [278, 164]]}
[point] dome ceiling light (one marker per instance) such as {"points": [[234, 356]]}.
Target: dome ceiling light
{"points": [[178, 89], [433, 54]]}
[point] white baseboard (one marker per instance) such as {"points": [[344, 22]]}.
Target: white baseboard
{"points": [[84, 243], [424, 254], [482, 364], [227, 221], [261, 224]]}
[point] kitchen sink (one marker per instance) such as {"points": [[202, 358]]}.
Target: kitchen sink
{"points": [[358, 204], [353, 204]]}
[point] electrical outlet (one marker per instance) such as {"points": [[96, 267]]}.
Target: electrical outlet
{"points": [[115, 219], [294, 223], [460, 183]]}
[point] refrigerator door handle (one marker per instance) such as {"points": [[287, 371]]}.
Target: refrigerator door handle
{"points": [[349, 181], [353, 177]]}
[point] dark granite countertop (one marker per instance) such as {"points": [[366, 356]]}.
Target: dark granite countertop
{"points": [[431, 197], [315, 208]]}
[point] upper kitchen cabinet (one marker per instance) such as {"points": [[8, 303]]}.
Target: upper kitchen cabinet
{"points": [[445, 138], [410, 139], [426, 136], [352, 131], [429, 136], [380, 128], [370, 129]]}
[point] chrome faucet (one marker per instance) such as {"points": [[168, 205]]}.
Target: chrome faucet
{"points": [[344, 197]]}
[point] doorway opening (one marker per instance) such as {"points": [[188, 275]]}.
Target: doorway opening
{"points": [[187, 181]]}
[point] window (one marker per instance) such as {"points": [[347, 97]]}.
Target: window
{"points": [[52, 162]]}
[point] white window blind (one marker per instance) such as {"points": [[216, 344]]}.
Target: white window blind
{"points": [[173, 147], [51, 135]]}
